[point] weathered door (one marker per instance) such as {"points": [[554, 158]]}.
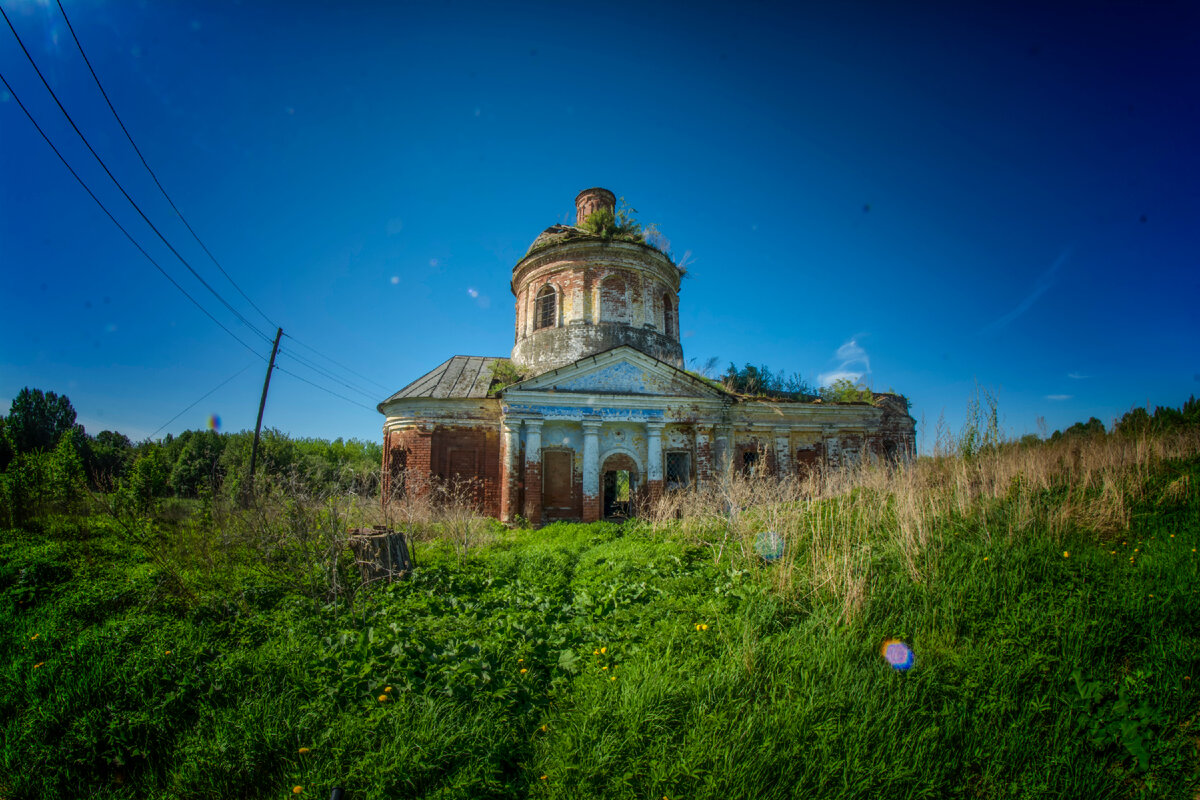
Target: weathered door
{"points": [[558, 471]]}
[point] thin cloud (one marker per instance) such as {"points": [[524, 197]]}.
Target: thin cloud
{"points": [[1075, 376], [1059, 396], [853, 363], [1044, 282]]}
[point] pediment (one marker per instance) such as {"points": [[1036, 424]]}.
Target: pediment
{"points": [[620, 371]]}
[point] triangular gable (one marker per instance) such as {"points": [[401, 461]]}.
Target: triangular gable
{"points": [[622, 370]]}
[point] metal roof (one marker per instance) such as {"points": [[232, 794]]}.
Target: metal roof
{"points": [[460, 376]]}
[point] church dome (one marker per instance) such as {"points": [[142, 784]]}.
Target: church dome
{"points": [[580, 293]]}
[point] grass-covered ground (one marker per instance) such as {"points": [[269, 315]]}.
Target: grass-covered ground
{"points": [[1055, 623]]}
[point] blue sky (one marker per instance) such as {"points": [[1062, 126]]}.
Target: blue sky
{"points": [[930, 195]]}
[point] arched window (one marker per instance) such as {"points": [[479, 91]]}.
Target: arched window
{"points": [[668, 316], [545, 312], [613, 305]]}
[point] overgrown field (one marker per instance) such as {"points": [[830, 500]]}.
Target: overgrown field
{"points": [[1049, 595]]}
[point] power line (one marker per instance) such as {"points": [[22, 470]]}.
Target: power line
{"points": [[117, 183], [335, 363], [193, 405], [137, 150], [323, 389], [320, 371], [120, 227]]}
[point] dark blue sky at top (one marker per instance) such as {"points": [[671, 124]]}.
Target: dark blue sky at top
{"points": [[930, 196]]}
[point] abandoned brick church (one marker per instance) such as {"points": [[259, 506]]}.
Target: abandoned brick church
{"points": [[598, 410]]}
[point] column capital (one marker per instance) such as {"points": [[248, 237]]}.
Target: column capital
{"points": [[655, 428], [512, 425], [591, 426], [534, 425]]}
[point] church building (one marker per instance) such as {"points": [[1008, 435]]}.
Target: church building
{"points": [[593, 411]]}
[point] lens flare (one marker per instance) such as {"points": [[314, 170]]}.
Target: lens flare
{"points": [[769, 546], [897, 653], [214, 423]]}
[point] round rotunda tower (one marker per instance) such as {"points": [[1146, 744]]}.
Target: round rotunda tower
{"points": [[579, 293]]}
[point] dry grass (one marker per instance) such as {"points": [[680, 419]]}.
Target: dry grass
{"points": [[835, 524]]}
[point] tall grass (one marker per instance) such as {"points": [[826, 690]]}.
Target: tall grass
{"points": [[837, 523]]}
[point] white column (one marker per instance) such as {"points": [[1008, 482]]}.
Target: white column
{"points": [[591, 458], [533, 441], [654, 456], [783, 451]]}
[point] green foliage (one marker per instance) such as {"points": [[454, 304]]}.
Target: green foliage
{"points": [[37, 419], [6, 446], [504, 374], [844, 390], [1139, 422], [762, 382], [1125, 717], [621, 225]]}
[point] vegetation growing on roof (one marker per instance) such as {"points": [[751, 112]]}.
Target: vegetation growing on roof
{"points": [[504, 374], [760, 381]]}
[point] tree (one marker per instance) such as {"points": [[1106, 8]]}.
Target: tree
{"points": [[6, 448], [844, 390], [112, 453], [38, 419]]}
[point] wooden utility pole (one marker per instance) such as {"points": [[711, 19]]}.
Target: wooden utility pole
{"points": [[262, 403]]}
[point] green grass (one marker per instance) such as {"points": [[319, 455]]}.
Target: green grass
{"points": [[1036, 675]]}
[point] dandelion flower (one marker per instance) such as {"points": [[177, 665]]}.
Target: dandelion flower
{"points": [[168, 652], [603, 650], [985, 558], [697, 626], [595, 652], [297, 789], [303, 750], [613, 678], [542, 778], [36, 635], [520, 661], [704, 626], [544, 729], [387, 690], [1066, 553], [1135, 549], [35, 666], [383, 698], [605, 666], [523, 670]]}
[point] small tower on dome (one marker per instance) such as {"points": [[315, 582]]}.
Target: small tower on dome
{"points": [[592, 200]]}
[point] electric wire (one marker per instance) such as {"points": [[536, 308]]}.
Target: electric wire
{"points": [[320, 371], [120, 227], [335, 363], [137, 150], [322, 388], [193, 405], [117, 183]]}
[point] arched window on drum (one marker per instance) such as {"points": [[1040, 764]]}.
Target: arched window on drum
{"points": [[545, 308], [669, 321]]}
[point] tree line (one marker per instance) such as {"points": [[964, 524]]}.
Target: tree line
{"points": [[47, 458]]}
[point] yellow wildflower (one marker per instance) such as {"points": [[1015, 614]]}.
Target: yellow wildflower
{"points": [[520, 661], [303, 750], [985, 558], [605, 666], [383, 698], [542, 778], [523, 670], [704, 626], [168, 652], [35, 666], [613, 678], [544, 729], [297, 789], [603, 650], [1066, 553], [36, 635], [387, 690], [595, 652]]}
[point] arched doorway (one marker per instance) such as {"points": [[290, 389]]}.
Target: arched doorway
{"points": [[619, 480]]}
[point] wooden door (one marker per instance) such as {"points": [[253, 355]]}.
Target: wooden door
{"points": [[558, 471]]}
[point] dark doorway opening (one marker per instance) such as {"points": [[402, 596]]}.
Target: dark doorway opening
{"points": [[619, 488]]}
